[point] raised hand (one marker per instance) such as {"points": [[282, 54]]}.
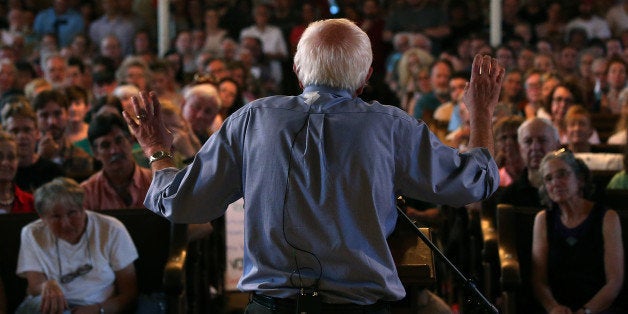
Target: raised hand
{"points": [[482, 92], [147, 124]]}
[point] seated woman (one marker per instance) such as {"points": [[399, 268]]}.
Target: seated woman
{"points": [[578, 129], [75, 260], [577, 251], [12, 198]]}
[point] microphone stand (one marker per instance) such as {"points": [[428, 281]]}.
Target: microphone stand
{"points": [[469, 284]]}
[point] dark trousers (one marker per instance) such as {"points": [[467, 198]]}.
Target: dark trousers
{"points": [[267, 305]]}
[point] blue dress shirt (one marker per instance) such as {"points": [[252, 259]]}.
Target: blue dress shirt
{"points": [[319, 173], [65, 26]]}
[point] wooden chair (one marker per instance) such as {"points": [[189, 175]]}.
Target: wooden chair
{"points": [[490, 257], [514, 225], [160, 267]]}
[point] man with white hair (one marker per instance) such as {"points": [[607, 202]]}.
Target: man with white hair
{"points": [[536, 138], [55, 67], [200, 107], [319, 173]]}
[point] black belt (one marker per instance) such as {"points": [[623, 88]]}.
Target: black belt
{"points": [[273, 303]]}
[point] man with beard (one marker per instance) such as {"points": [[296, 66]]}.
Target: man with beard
{"points": [[19, 119], [440, 73], [536, 138], [51, 108], [121, 183]]}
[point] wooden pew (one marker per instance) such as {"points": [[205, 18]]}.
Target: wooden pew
{"points": [[514, 226], [160, 267]]}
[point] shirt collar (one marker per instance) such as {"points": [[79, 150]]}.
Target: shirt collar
{"points": [[328, 90]]}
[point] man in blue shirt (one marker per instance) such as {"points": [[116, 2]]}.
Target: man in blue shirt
{"points": [[319, 174], [60, 20]]}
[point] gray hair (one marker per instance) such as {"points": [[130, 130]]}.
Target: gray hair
{"points": [[202, 90], [334, 53], [549, 128], [60, 191], [579, 168]]}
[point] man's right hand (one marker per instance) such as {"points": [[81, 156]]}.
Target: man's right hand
{"points": [[52, 298], [481, 96]]}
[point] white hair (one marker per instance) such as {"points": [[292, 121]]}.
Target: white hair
{"points": [[202, 90], [334, 53], [126, 90], [549, 128]]}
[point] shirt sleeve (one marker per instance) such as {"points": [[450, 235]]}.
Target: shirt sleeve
{"points": [[436, 173], [122, 248], [28, 259], [201, 191]]}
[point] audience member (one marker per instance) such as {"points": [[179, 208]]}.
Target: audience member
{"points": [[577, 251], [183, 46], [76, 74], [121, 183], [19, 119], [76, 130], [114, 23], [593, 25], [185, 144], [12, 198], [440, 73], [620, 180], [619, 137], [8, 77], [200, 107], [413, 77], [73, 259], [36, 86], [511, 98], [273, 44], [61, 20], [213, 33], [617, 18], [55, 68], [534, 100], [164, 83], [578, 129], [134, 71], [51, 108], [536, 138], [110, 47], [507, 154], [554, 27], [616, 81]]}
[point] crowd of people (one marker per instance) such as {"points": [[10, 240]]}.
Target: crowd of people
{"points": [[69, 68]]}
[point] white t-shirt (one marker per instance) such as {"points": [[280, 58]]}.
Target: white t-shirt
{"points": [[106, 245]]}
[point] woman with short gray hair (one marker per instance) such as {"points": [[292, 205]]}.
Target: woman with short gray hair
{"points": [[75, 260]]}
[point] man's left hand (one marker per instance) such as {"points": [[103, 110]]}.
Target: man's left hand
{"points": [[147, 124]]}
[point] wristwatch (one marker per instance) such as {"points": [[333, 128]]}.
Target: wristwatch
{"points": [[587, 310], [159, 155], [101, 310]]}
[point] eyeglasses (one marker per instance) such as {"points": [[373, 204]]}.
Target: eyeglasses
{"points": [[83, 270]]}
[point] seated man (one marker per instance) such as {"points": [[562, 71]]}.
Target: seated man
{"points": [[121, 183], [51, 108], [19, 119], [75, 260], [536, 138]]}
